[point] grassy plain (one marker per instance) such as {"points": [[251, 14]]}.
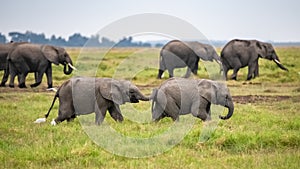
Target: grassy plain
{"points": [[264, 131]]}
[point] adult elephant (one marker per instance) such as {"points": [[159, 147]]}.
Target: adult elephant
{"points": [[241, 53], [180, 96], [179, 54], [84, 95], [37, 58], [4, 50]]}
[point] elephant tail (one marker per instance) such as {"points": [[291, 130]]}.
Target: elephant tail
{"points": [[162, 64], [153, 97], [42, 120], [54, 99]]}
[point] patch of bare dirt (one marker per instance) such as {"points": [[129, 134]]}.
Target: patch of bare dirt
{"points": [[39, 89], [258, 99]]}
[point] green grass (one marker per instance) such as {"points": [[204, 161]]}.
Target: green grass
{"points": [[263, 133]]}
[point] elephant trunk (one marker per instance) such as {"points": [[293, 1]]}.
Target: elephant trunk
{"points": [[230, 107], [216, 57], [70, 68], [142, 97], [280, 65]]}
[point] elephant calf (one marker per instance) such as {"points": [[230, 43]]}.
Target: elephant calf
{"points": [[35, 58], [179, 54], [180, 96], [84, 95], [240, 53]]}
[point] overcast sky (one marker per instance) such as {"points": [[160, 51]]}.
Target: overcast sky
{"points": [[276, 20]]}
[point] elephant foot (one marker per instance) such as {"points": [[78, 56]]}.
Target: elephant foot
{"points": [[160, 73], [50, 86], [233, 78], [35, 84], [71, 118], [2, 85], [22, 85], [249, 78]]}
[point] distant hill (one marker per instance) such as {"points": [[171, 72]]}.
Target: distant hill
{"points": [[77, 40]]}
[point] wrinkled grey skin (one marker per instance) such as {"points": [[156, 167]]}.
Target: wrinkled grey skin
{"points": [[241, 53], [84, 95], [27, 58], [178, 54], [180, 96], [4, 50]]}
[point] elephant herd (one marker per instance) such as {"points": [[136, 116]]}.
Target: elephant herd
{"points": [[174, 97], [235, 55]]}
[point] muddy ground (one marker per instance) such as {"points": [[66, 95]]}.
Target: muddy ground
{"points": [[240, 99], [260, 99]]}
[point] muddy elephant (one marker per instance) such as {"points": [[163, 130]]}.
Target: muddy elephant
{"points": [[179, 54], [84, 95], [27, 58], [4, 50], [180, 96], [241, 53]]}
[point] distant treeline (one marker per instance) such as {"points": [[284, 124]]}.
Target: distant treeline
{"points": [[75, 40]]}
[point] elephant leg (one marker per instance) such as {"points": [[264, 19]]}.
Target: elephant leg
{"points": [[71, 118], [172, 110], [38, 81], [21, 79], [201, 109], [4, 78], [235, 71], [251, 69], [225, 72], [100, 114], [12, 79], [195, 68], [236, 68], [49, 76], [115, 113], [188, 73], [171, 73], [39, 75], [160, 73], [13, 74], [36, 74], [256, 72]]}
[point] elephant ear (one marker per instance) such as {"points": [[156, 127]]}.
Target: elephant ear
{"points": [[261, 49], [207, 89], [111, 90], [199, 49], [51, 53]]}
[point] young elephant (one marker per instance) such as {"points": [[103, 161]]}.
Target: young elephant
{"points": [[180, 96], [84, 95], [35, 58], [179, 54], [241, 53]]}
